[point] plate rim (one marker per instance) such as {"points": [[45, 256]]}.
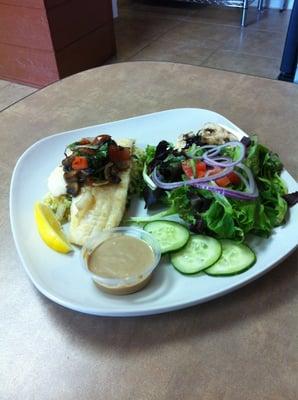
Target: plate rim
{"points": [[152, 310]]}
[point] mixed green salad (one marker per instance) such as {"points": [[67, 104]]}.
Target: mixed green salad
{"points": [[226, 190], [222, 189]]}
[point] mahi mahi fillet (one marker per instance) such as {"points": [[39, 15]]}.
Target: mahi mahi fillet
{"points": [[99, 208]]}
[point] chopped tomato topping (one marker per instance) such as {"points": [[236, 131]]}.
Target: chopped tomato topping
{"points": [[118, 153], [79, 163], [84, 141]]}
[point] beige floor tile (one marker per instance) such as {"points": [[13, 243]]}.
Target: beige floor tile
{"points": [[129, 44], [133, 33], [244, 63], [3, 83], [216, 15], [272, 20], [268, 19], [162, 50], [207, 34], [146, 25], [260, 43], [12, 93]]}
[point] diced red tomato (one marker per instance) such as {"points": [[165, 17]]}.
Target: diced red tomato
{"points": [[228, 179], [234, 178], [201, 168], [118, 153], [79, 163], [187, 169], [223, 182]]}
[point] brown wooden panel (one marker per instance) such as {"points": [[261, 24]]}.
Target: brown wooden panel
{"points": [[23, 26], [53, 3], [24, 3], [90, 51], [37, 67], [73, 19]]}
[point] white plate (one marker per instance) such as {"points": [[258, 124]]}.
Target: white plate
{"points": [[61, 277]]}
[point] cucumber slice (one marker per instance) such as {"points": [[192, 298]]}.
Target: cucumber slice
{"points": [[200, 253], [169, 234], [235, 258]]}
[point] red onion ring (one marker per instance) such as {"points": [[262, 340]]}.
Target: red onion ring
{"points": [[190, 182], [209, 155], [251, 194]]}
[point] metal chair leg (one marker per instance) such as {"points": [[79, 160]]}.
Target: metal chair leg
{"points": [[244, 13], [284, 6], [260, 5]]}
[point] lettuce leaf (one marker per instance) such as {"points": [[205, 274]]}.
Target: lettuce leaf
{"points": [[223, 217]]}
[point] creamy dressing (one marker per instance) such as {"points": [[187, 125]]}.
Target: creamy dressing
{"points": [[121, 257]]}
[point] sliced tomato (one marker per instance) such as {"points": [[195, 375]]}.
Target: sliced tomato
{"points": [[229, 179], [118, 153], [187, 169], [234, 178], [201, 169], [223, 182]]}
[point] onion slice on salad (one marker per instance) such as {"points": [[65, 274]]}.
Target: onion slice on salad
{"points": [[207, 183], [210, 156], [251, 192], [173, 185]]}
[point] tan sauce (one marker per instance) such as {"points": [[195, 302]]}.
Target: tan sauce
{"points": [[122, 257]]}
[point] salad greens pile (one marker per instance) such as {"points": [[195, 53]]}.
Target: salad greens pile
{"points": [[212, 213]]}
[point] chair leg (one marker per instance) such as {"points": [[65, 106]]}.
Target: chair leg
{"points": [[260, 5], [244, 13], [284, 6]]}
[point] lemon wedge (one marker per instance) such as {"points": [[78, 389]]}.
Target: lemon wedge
{"points": [[50, 229]]}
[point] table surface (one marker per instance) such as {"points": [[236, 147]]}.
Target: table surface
{"points": [[241, 346]]}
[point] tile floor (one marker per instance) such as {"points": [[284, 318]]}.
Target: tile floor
{"points": [[192, 34], [200, 35]]}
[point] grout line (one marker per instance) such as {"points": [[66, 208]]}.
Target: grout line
{"points": [[5, 86], [254, 55], [15, 102], [154, 39], [241, 73], [180, 23], [188, 18], [210, 55]]}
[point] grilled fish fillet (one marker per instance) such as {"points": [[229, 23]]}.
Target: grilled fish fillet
{"points": [[99, 208]]}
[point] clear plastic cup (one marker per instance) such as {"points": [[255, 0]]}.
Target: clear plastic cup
{"points": [[118, 284]]}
